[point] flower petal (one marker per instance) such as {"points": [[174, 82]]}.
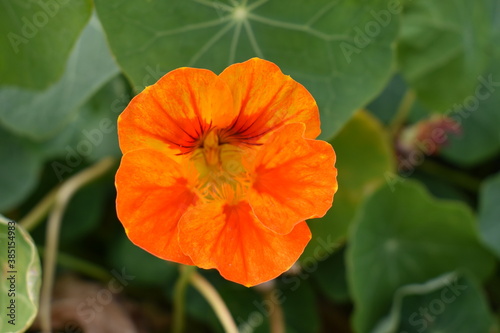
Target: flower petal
{"points": [[267, 99], [152, 196], [295, 179], [176, 111], [232, 240]]}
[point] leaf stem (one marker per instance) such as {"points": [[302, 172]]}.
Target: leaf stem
{"points": [[276, 317], [80, 265], [451, 175], [36, 215], [180, 297], [216, 302], [62, 198], [402, 113]]}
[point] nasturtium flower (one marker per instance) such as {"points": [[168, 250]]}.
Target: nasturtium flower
{"points": [[221, 171]]}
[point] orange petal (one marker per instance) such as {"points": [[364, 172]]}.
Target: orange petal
{"points": [[267, 99], [152, 196], [175, 111], [232, 240], [295, 179]]}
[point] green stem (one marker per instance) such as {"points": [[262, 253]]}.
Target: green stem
{"points": [[80, 265], [180, 297], [452, 176], [37, 214], [216, 302], [63, 197], [402, 113]]}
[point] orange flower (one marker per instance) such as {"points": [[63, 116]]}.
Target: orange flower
{"points": [[222, 171]]}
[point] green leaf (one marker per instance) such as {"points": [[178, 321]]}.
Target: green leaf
{"points": [[19, 168], [478, 114], [40, 115], [385, 106], [489, 213], [364, 157], [92, 133], [401, 236], [449, 303], [443, 47], [147, 269], [299, 307], [331, 278], [36, 39], [20, 282], [78, 219], [341, 51]]}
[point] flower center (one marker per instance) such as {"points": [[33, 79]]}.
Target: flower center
{"points": [[221, 174]]}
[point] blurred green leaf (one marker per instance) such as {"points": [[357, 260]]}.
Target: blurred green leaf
{"points": [[341, 51], [20, 282], [331, 278], [364, 156], [478, 114], [385, 106], [83, 212], [92, 133], [36, 39], [147, 269], [98, 117], [449, 303], [401, 236], [40, 115], [19, 168], [443, 47], [299, 307], [489, 213]]}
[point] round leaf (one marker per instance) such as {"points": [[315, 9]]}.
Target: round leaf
{"points": [[402, 235], [19, 168], [342, 51], [443, 47], [489, 214], [21, 278], [449, 303], [41, 114], [36, 38]]}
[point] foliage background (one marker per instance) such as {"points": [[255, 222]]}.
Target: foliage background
{"points": [[411, 244]]}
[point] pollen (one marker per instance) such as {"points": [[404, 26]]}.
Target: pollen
{"points": [[221, 174]]}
